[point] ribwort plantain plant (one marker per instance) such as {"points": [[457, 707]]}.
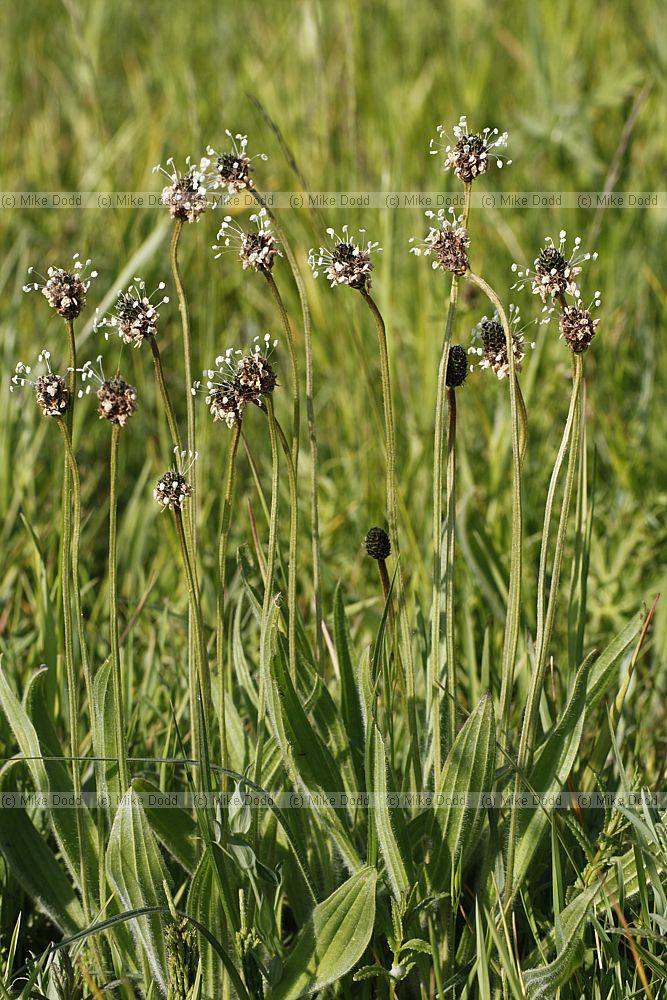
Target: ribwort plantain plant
{"points": [[368, 798]]}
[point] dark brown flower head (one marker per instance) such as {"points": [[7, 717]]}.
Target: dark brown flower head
{"points": [[51, 392], [226, 403], [490, 344], [64, 290], [457, 367], [346, 262], [470, 155], [233, 168], [578, 327], [185, 195], [118, 401], [377, 544], [447, 242], [255, 376], [256, 249], [172, 490], [554, 271], [135, 314]]}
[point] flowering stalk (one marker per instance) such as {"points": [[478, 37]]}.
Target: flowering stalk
{"points": [[291, 576], [512, 619], [392, 519], [220, 606], [116, 673], [164, 392], [200, 682], [310, 415], [434, 695], [268, 597], [293, 362]]}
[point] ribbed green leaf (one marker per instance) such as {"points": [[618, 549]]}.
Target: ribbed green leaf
{"points": [[543, 982], [136, 871], [468, 770], [350, 708], [391, 853], [174, 827], [205, 906], [554, 763], [333, 940], [603, 670], [33, 865], [104, 730]]}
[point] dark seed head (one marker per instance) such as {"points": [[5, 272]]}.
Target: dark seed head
{"points": [[577, 327], [255, 377], [234, 172], [377, 544], [172, 490], [457, 367], [350, 266], [52, 394], [118, 401], [493, 337], [226, 403], [65, 292], [259, 251], [468, 157]]}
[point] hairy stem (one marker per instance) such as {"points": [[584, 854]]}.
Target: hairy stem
{"points": [[116, 673], [312, 434], [513, 616], [200, 681], [449, 585], [296, 395], [268, 596], [392, 520], [164, 392], [220, 607], [433, 683]]}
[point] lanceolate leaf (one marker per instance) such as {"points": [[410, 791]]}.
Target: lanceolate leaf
{"points": [[468, 770], [136, 872], [542, 983], [32, 863], [333, 940], [391, 853], [553, 764], [205, 906]]}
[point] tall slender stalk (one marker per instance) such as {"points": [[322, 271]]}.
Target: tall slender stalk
{"points": [[72, 690], [265, 637], [513, 616], [187, 351], [75, 552], [164, 392], [291, 575], [392, 519], [116, 673], [434, 694], [312, 433], [296, 394], [220, 604], [450, 644], [200, 681], [570, 441]]}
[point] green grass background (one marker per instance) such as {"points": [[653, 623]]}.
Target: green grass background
{"points": [[92, 95]]}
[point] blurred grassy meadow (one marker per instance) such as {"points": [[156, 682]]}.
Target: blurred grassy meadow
{"points": [[93, 95]]}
